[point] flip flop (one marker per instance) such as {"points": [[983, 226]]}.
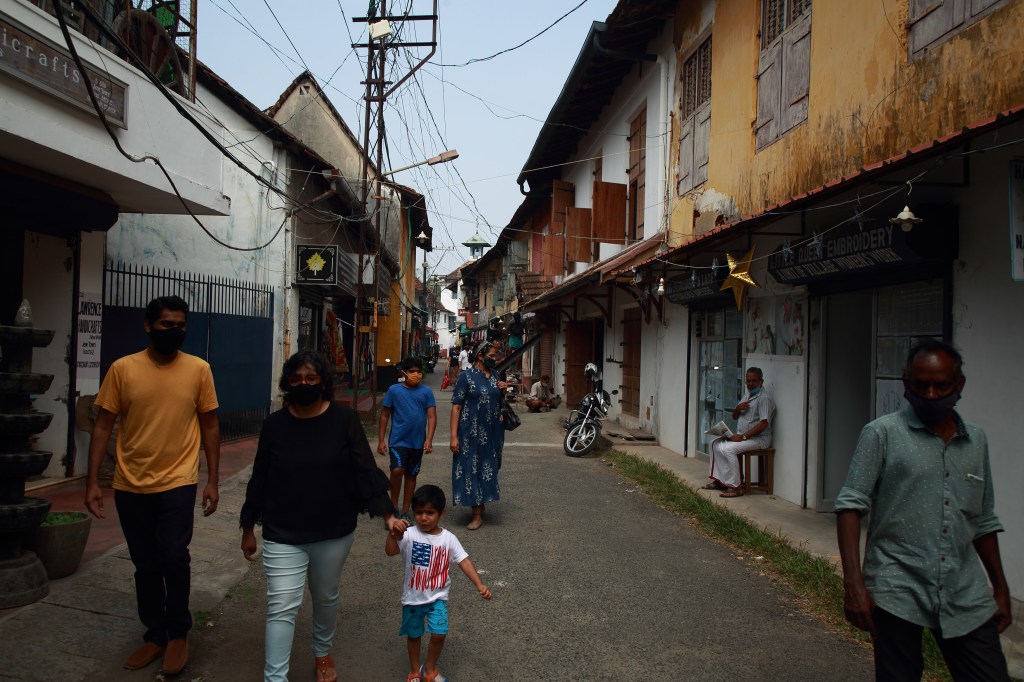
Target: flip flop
{"points": [[325, 671], [732, 493]]}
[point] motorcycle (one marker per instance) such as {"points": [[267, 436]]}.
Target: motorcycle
{"points": [[429, 364], [583, 427]]}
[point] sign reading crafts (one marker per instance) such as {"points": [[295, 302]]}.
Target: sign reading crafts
{"points": [[39, 62], [854, 250]]}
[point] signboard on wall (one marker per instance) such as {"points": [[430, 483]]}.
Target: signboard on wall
{"points": [[90, 328], [851, 249], [706, 285], [1017, 220], [316, 264], [35, 60]]}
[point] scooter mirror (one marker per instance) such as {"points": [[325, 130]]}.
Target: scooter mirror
{"points": [[615, 391]]}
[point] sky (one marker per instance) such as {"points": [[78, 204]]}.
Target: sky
{"points": [[490, 111]]}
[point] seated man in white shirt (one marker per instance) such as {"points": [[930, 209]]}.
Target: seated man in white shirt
{"points": [[541, 397], [754, 431]]}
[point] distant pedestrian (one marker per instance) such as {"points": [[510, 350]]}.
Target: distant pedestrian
{"points": [[411, 407], [428, 551], [477, 434], [313, 474], [453, 368], [464, 361], [168, 406], [923, 474]]}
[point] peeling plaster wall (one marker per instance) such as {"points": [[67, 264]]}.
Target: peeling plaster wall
{"points": [[177, 242], [867, 100]]}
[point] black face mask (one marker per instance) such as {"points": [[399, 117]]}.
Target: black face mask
{"points": [[931, 411], [304, 394], [489, 362], [167, 341]]}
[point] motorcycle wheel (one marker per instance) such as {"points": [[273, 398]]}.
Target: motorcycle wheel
{"points": [[581, 439]]}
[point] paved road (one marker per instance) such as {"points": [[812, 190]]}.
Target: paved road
{"points": [[590, 579]]}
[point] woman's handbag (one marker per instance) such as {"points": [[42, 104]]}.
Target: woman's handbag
{"points": [[509, 418]]}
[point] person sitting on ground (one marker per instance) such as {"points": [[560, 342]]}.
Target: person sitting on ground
{"points": [[540, 396], [753, 432]]}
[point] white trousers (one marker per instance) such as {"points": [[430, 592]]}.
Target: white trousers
{"points": [[725, 461], [286, 567]]}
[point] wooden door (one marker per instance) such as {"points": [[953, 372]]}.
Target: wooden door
{"points": [[632, 324], [579, 350]]}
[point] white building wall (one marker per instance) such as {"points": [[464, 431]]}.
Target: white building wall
{"points": [[46, 133], [668, 419], [988, 328], [178, 243], [608, 139]]}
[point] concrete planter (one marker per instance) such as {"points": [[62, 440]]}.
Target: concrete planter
{"points": [[60, 545]]}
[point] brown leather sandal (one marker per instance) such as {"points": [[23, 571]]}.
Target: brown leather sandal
{"points": [[325, 670]]}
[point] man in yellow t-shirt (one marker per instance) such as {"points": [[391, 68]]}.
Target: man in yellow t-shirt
{"points": [[168, 406]]}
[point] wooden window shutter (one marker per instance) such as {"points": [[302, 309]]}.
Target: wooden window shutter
{"points": [[930, 20], [701, 144], [979, 6], [769, 101], [577, 235], [796, 73], [685, 168], [609, 217], [563, 195]]}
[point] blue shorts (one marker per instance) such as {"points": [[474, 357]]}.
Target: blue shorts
{"points": [[409, 459], [435, 614]]}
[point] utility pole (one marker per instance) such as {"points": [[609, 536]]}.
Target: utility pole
{"points": [[378, 89]]}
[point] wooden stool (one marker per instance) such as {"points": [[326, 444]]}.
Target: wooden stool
{"points": [[769, 467]]}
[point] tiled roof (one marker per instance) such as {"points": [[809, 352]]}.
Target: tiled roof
{"points": [[531, 284]]}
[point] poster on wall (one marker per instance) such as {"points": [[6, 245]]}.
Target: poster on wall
{"points": [[789, 325], [774, 325], [888, 396], [759, 326], [1017, 220], [90, 327]]}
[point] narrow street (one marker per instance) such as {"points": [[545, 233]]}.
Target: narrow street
{"points": [[590, 581]]}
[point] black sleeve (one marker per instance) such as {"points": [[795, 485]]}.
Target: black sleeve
{"points": [[252, 509], [373, 488]]}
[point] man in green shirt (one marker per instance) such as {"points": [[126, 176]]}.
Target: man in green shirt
{"points": [[923, 474]]}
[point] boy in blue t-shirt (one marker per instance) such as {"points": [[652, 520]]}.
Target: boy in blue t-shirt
{"points": [[413, 411]]}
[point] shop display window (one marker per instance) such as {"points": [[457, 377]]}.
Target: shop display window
{"points": [[721, 369]]}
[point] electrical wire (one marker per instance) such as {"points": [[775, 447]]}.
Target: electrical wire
{"points": [[59, 11], [516, 47]]}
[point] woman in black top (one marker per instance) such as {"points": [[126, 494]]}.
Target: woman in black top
{"points": [[314, 473]]}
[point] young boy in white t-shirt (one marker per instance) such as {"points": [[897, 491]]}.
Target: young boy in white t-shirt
{"points": [[428, 551]]}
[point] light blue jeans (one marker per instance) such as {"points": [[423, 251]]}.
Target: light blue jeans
{"points": [[286, 567]]}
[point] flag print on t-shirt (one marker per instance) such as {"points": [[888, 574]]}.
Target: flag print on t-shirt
{"points": [[429, 567], [428, 559]]}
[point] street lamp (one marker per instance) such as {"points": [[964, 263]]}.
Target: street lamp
{"points": [[443, 157]]}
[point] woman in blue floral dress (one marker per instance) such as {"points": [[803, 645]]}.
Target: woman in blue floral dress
{"points": [[478, 435]]}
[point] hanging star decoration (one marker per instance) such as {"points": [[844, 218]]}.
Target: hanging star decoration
{"points": [[739, 276]]}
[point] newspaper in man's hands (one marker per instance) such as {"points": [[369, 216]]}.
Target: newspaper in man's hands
{"points": [[720, 429]]}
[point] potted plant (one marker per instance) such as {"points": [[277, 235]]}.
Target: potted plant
{"points": [[60, 542]]}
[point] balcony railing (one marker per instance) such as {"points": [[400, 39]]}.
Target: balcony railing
{"points": [[160, 34]]}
